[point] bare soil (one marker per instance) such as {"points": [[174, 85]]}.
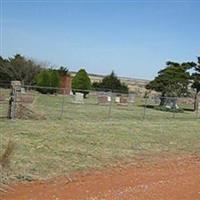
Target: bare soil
{"points": [[166, 179]]}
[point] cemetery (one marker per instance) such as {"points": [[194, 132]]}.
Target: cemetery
{"points": [[99, 100], [77, 134], [58, 134]]}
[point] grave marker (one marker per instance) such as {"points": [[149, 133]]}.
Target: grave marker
{"points": [[79, 98], [104, 99], [123, 101], [131, 98]]}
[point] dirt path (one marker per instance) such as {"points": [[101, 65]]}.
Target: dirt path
{"points": [[177, 179]]}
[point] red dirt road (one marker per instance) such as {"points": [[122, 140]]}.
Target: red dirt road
{"points": [[177, 179]]}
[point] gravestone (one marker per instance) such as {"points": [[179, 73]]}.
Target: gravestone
{"points": [[171, 103], [2, 98], [131, 98], [23, 91], [109, 98], [123, 101], [78, 98], [117, 99], [104, 99]]}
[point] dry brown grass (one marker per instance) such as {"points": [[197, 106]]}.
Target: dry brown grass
{"points": [[6, 156], [5, 159]]}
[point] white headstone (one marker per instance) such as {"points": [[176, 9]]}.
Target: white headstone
{"points": [[117, 99], [79, 98], [23, 90], [109, 98]]}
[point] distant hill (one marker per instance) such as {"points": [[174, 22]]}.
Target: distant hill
{"points": [[134, 85]]}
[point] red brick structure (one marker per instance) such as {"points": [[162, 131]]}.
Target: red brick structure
{"points": [[65, 82]]}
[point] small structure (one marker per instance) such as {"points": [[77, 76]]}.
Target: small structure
{"points": [[104, 99], [131, 98], [78, 98], [123, 101], [2, 98], [171, 103], [117, 99]]}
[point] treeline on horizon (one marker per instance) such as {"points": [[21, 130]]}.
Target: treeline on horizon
{"points": [[171, 81], [174, 80], [32, 73]]}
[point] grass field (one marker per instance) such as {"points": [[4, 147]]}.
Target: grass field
{"points": [[86, 137]]}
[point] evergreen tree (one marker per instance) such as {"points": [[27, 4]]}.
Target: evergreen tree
{"points": [[172, 81], [81, 82], [111, 82], [49, 79]]}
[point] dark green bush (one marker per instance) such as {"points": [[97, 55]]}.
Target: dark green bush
{"points": [[111, 83], [48, 80], [81, 82]]}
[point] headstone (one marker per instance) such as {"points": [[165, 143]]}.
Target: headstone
{"points": [[109, 98], [23, 91], [71, 93], [131, 98], [123, 100], [117, 99], [2, 98], [171, 104], [104, 99], [79, 98]]}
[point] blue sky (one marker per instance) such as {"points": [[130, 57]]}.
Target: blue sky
{"points": [[133, 38]]}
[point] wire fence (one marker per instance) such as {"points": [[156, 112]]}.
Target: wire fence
{"points": [[56, 103]]}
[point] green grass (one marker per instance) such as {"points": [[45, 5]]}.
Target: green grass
{"points": [[86, 137]]}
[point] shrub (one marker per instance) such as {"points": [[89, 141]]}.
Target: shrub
{"points": [[111, 82], [81, 82], [48, 78]]}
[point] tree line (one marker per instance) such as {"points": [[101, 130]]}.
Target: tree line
{"points": [[174, 80], [31, 73]]}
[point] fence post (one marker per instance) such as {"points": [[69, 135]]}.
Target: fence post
{"points": [[197, 108], [110, 106], [62, 105], [144, 111], [174, 100], [16, 88]]}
